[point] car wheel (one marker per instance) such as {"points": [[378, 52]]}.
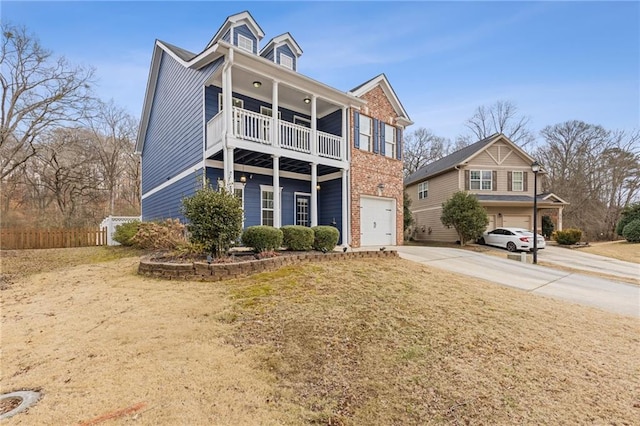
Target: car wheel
{"points": [[481, 241], [511, 246]]}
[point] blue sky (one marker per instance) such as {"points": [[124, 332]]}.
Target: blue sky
{"points": [[557, 61]]}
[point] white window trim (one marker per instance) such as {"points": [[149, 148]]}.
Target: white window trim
{"points": [[234, 100], [288, 57], [520, 181], [268, 188], [369, 135], [423, 190], [269, 112], [481, 180], [297, 118], [390, 152], [245, 39], [240, 186]]}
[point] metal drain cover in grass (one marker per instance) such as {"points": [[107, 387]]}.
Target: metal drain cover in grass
{"points": [[15, 402]]}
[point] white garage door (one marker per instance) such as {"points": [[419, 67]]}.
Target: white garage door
{"points": [[492, 222], [377, 221], [516, 221]]}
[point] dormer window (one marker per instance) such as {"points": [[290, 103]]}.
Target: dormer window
{"points": [[286, 61], [245, 43]]}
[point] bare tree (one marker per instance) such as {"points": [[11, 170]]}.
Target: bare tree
{"points": [[422, 147], [39, 93], [501, 117]]}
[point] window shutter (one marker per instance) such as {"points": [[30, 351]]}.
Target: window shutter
{"points": [[382, 142], [467, 177], [356, 129], [494, 180], [376, 128], [399, 144], [525, 182], [509, 181]]}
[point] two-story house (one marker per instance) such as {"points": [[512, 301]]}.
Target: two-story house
{"points": [[497, 171], [239, 115]]}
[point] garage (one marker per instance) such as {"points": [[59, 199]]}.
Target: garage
{"points": [[516, 221], [492, 222], [377, 221]]}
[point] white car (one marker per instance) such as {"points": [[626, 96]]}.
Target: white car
{"points": [[513, 239]]}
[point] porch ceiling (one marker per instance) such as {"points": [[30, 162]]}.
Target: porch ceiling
{"points": [[257, 159]]}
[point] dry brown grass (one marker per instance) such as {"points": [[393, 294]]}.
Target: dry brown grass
{"points": [[621, 250], [356, 342]]}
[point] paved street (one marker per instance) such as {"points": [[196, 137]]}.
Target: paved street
{"points": [[613, 296]]}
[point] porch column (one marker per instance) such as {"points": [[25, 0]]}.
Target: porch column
{"points": [[314, 126], [560, 218], [314, 194], [344, 149], [229, 178], [275, 132], [345, 206], [276, 192]]}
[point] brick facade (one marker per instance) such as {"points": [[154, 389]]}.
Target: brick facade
{"points": [[369, 169]]}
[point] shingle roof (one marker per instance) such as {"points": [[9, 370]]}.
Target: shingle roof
{"points": [[448, 162], [515, 198], [183, 54]]}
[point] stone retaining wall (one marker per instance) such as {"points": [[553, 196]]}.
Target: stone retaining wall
{"points": [[201, 271]]}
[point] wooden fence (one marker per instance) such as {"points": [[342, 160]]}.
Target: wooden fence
{"points": [[17, 239]]}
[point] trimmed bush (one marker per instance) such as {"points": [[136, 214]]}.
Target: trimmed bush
{"points": [[262, 238], [547, 227], [160, 235], [325, 237], [295, 237], [568, 237], [125, 232], [627, 215], [631, 231]]}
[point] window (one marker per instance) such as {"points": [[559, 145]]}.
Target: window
{"points": [[480, 180], [365, 133], [238, 103], [302, 210], [245, 43], [238, 191], [390, 142], [268, 111], [267, 207], [423, 190], [301, 121], [286, 61], [517, 181]]}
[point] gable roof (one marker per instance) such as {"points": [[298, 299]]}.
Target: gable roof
{"points": [[183, 54], [283, 38], [450, 161], [234, 19], [382, 80]]}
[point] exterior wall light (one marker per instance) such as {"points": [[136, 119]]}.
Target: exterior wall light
{"points": [[307, 100], [257, 84], [243, 178]]}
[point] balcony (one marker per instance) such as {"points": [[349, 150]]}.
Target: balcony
{"points": [[255, 127]]}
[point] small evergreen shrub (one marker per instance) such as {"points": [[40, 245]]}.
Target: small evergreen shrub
{"points": [[631, 231], [568, 237], [125, 232], [627, 215], [297, 237], [547, 226], [169, 234], [262, 238], [325, 237]]}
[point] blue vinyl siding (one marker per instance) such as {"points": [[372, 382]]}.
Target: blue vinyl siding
{"points": [[331, 123], [268, 54], [174, 137], [330, 204], [166, 203], [287, 51], [227, 36], [245, 31]]}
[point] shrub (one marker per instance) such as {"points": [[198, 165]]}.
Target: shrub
{"points": [[297, 237], [160, 235], [466, 215], [325, 238], [627, 215], [547, 226], [262, 238], [215, 219], [125, 232], [568, 236], [631, 231]]}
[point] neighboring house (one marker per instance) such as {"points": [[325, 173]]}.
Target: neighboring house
{"points": [[497, 171], [333, 157]]}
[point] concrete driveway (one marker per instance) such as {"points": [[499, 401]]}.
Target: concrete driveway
{"points": [[577, 259], [612, 296]]}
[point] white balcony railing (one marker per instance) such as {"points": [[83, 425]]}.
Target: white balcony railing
{"points": [[255, 127]]}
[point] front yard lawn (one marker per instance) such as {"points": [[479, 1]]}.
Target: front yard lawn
{"points": [[621, 250], [354, 342]]}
